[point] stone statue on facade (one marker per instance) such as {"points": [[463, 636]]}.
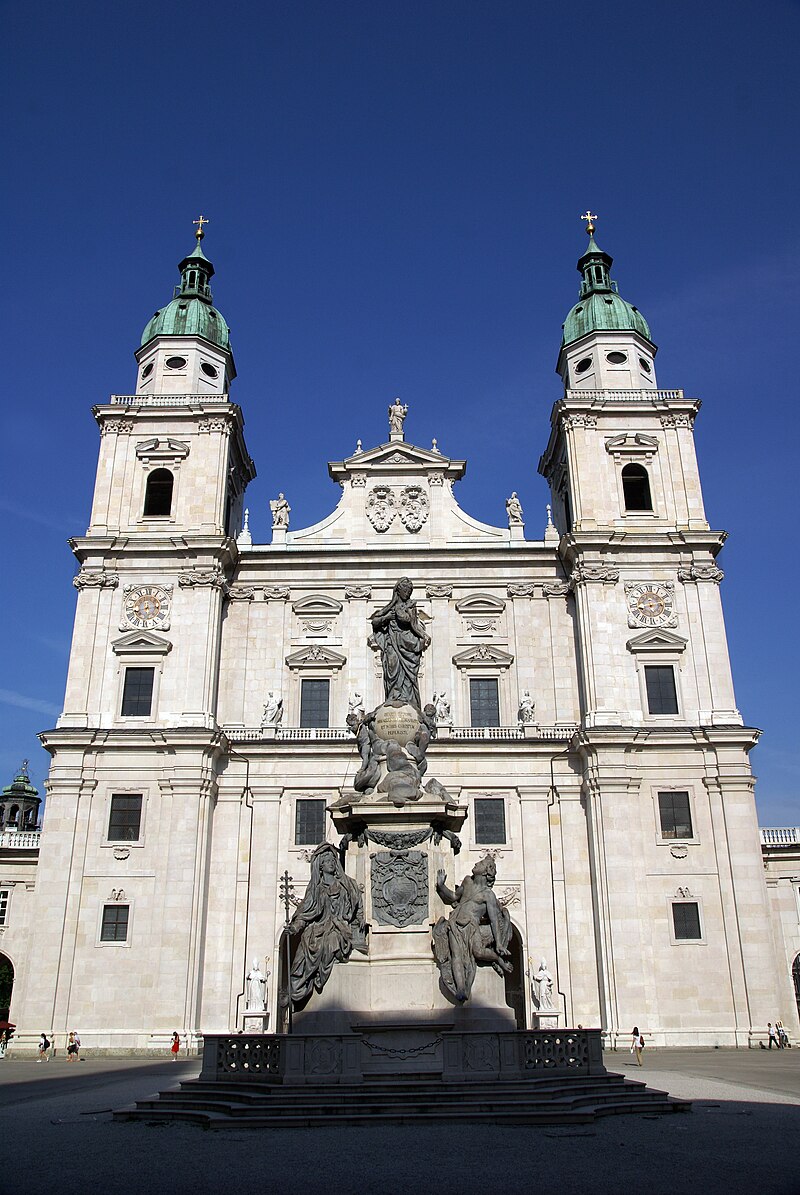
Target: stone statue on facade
{"points": [[442, 707], [256, 989], [525, 714], [477, 931], [280, 512], [514, 510], [543, 988], [397, 416], [328, 917], [355, 704], [273, 710], [401, 639]]}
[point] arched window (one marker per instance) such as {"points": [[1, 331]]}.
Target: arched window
{"points": [[158, 495], [13, 815], [636, 488], [2, 815]]}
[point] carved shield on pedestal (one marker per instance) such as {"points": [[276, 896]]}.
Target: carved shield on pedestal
{"points": [[400, 887]]}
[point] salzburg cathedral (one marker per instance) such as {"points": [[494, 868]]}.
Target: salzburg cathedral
{"points": [[400, 763]]}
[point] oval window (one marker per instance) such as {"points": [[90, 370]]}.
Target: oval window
{"points": [[209, 370], [148, 369], [583, 365], [616, 358], [175, 362], [645, 365]]}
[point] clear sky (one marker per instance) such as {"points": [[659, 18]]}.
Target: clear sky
{"points": [[394, 189]]}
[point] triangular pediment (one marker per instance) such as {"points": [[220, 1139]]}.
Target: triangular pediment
{"points": [[483, 655], [315, 656], [480, 603], [162, 448], [141, 642], [656, 640], [394, 457], [632, 444], [317, 604]]}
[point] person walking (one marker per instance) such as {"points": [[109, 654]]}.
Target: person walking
{"points": [[783, 1036], [72, 1048], [637, 1044], [773, 1036], [175, 1047], [44, 1046], [77, 1039]]}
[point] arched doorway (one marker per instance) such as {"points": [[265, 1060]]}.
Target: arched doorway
{"points": [[796, 978], [6, 986], [515, 979]]}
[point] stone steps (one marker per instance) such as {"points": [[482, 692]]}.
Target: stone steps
{"points": [[405, 1101]]}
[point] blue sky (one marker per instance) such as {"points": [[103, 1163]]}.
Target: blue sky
{"points": [[393, 190]]}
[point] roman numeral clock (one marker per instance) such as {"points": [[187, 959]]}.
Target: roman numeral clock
{"points": [[147, 607]]}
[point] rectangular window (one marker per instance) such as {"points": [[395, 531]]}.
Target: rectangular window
{"points": [[314, 702], [137, 693], [309, 822], [3, 906], [484, 702], [490, 821], [115, 923], [686, 921], [662, 696], [125, 819], [676, 817]]}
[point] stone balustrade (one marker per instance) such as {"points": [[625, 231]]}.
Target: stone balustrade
{"points": [[561, 732], [20, 839], [782, 836], [164, 400], [627, 395]]}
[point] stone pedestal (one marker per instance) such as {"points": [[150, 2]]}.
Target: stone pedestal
{"points": [[394, 854], [545, 1020], [255, 1022]]}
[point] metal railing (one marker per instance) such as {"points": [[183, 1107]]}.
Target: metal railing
{"points": [[626, 395], [20, 839], [164, 400], [782, 836]]}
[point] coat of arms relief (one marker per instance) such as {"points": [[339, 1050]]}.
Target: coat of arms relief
{"points": [[412, 503]]}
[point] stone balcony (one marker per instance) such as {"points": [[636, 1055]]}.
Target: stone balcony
{"points": [[561, 732], [782, 836], [164, 400], [20, 840], [626, 395]]}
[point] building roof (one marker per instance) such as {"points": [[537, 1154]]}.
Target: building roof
{"points": [[191, 313], [601, 308]]}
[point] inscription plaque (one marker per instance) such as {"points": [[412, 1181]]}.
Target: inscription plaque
{"points": [[396, 723]]}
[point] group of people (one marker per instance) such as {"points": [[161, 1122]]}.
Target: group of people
{"points": [[778, 1036], [73, 1047]]}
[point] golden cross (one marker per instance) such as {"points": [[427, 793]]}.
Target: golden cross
{"points": [[200, 234], [587, 216]]}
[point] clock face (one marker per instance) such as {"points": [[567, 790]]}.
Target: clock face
{"points": [[146, 606], [651, 604]]}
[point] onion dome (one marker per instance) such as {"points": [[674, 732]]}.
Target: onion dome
{"points": [[191, 312], [601, 308]]}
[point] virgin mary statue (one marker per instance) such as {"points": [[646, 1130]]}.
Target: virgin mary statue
{"points": [[400, 637]]}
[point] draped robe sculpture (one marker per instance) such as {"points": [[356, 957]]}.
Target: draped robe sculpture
{"points": [[401, 639], [325, 920]]}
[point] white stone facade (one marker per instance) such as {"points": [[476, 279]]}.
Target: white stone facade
{"points": [[576, 619]]}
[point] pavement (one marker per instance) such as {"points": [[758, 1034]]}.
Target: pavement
{"points": [[743, 1136]]}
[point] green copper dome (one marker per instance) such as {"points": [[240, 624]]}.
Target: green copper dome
{"points": [[601, 308], [191, 313]]}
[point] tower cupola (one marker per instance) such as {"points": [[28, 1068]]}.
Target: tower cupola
{"points": [[185, 347], [606, 343]]}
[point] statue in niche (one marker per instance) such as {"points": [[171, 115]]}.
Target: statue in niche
{"points": [[442, 708], [543, 988], [273, 710], [328, 917], [525, 714], [397, 417], [256, 989], [401, 639], [514, 510], [477, 931], [280, 512]]}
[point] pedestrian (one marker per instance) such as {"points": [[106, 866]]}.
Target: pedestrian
{"points": [[637, 1044], [783, 1036], [44, 1046], [72, 1048], [175, 1047], [773, 1036], [76, 1036]]}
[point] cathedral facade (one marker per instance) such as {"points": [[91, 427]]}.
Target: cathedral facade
{"points": [[584, 705]]}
